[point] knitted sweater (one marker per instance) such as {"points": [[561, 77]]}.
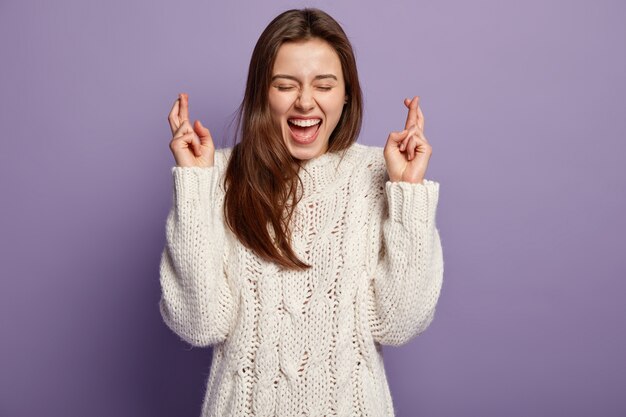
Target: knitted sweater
{"points": [[304, 343]]}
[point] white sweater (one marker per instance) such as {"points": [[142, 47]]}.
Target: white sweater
{"points": [[304, 343]]}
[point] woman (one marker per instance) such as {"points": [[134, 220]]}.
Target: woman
{"points": [[298, 252]]}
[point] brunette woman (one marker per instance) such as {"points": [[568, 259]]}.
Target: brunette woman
{"points": [[298, 252]]}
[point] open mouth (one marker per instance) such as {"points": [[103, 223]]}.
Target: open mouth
{"points": [[304, 130]]}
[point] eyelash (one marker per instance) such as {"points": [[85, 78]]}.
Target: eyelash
{"points": [[280, 88]]}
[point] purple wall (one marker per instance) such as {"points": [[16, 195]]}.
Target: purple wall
{"points": [[524, 105]]}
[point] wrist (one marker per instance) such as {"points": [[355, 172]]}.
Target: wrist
{"points": [[410, 181]]}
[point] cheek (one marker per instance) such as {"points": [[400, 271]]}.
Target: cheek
{"points": [[334, 108], [279, 104]]}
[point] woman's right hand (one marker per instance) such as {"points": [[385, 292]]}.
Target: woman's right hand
{"points": [[191, 146]]}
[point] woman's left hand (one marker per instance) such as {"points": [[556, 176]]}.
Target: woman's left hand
{"points": [[407, 153]]}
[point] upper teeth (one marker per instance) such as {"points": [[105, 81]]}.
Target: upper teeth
{"points": [[305, 123]]}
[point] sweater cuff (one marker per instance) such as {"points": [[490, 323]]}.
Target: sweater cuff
{"points": [[194, 183], [412, 202]]}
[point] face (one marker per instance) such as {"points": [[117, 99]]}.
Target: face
{"points": [[307, 95]]}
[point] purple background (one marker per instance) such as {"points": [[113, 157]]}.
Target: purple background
{"points": [[524, 107]]}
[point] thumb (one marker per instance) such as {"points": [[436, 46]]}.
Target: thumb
{"points": [[202, 131], [398, 136], [198, 127]]}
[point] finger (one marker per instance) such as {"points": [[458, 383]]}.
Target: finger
{"points": [[421, 146], [415, 105], [411, 117], [187, 138], [405, 141], [203, 133], [411, 147], [413, 130], [195, 143], [191, 140], [183, 129], [420, 118], [420, 134], [405, 146], [397, 137], [172, 117], [184, 107]]}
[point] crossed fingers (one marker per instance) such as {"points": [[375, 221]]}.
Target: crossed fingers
{"points": [[415, 117], [179, 113], [414, 128]]}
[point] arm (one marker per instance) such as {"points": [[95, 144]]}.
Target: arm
{"points": [[408, 275], [196, 301]]}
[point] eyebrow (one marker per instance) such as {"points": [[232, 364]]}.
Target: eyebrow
{"points": [[317, 77]]}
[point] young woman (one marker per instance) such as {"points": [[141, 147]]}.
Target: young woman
{"points": [[298, 252]]}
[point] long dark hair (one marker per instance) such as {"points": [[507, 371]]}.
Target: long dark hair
{"points": [[261, 179]]}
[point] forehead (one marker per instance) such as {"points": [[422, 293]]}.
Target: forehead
{"points": [[307, 58]]}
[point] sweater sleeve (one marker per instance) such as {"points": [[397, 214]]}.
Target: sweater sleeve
{"points": [[196, 301], [408, 275]]}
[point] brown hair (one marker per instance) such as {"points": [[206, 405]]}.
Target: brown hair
{"points": [[261, 179]]}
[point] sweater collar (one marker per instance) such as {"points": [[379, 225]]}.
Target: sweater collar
{"points": [[320, 174], [321, 160]]}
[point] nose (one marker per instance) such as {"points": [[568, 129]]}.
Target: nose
{"points": [[305, 101]]}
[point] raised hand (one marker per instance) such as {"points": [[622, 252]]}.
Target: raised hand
{"points": [[191, 146], [407, 152]]}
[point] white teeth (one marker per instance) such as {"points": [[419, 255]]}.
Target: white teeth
{"points": [[304, 123]]}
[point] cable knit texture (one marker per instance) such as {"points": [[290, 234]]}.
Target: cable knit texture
{"points": [[304, 343]]}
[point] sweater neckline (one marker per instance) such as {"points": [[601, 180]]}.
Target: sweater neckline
{"points": [[327, 157], [320, 160]]}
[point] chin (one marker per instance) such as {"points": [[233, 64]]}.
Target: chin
{"points": [[298, 152]]}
